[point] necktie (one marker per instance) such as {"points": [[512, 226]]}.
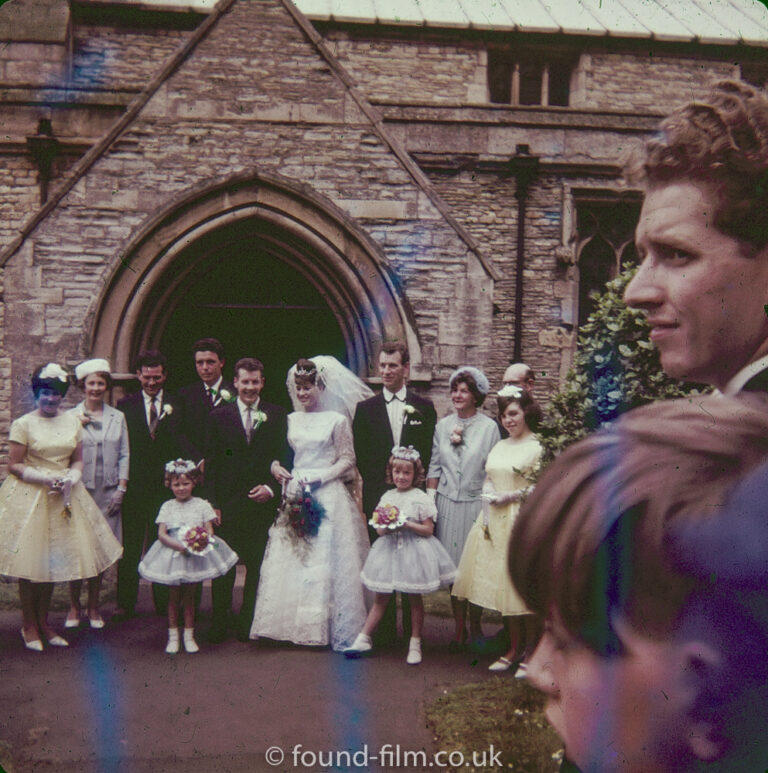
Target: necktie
{"points": [[152, 418], [248, 422], [209, 396]]}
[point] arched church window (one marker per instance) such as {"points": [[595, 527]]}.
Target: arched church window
{"points": [[605, 231]]}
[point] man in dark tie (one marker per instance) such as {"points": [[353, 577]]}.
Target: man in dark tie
{"points": [[702, 239], [154, 439], [244, 439], [207, 393], [395, 416]]}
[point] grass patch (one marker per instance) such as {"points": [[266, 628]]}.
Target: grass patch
{"points": [[504, 712]]}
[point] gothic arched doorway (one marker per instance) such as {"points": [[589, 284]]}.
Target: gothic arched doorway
{"points": [[268, 266]]}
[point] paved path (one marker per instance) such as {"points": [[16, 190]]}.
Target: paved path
{"points": [[114, 702]]}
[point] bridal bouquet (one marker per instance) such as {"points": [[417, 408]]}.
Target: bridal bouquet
{"points": [[304, 512], [387, 517], [197, 540]]}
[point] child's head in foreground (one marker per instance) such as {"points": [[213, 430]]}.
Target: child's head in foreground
{"points": [[647, 557]]}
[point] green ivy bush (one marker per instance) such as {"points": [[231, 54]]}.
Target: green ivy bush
{"points": [[616, 368]]}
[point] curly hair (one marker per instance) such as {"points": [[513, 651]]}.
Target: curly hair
{"points": [[722, 142]]}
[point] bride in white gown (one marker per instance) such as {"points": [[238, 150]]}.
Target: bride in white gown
{"points": [[309, 589]]}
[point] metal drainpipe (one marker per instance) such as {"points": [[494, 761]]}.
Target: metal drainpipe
{"points": [[524, 168], [44, 148]]}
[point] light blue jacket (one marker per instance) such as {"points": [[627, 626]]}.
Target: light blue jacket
{"points": [[115, 451], [461, 470]]}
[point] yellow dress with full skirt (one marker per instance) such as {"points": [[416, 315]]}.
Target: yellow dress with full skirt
{"points": [[39, 539], [482, 574]]}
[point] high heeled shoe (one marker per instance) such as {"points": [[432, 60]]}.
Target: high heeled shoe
{"points": [[96, 622], [35, 645], [71, 622], [57, 641]]}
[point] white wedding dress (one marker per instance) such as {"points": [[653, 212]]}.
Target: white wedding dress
{"points": [[310, 590]]}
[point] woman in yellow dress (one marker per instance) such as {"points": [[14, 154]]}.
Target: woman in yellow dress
{"points": [[50, 528], [482, 577]]}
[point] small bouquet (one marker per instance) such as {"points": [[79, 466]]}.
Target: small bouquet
{"points": [[457, 435], [197, 540], [304, 512], [387, 517]]}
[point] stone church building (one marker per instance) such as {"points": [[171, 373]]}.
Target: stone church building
{"points": [[318, 177]]}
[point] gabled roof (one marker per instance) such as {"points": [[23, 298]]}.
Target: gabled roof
{"points": [[725, 22]]}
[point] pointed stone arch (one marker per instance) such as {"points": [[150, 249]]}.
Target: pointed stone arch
{"points": [[297, 225]]}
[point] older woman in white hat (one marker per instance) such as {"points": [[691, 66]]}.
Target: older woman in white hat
{"points": [[105, 468]]}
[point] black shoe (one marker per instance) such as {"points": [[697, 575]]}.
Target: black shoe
{"points": [[217, 634], [243, 635], [121, 615]]}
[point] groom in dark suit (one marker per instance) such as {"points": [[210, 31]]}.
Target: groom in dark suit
{"points": [[154, 437], [244, 438], [395, 416]]}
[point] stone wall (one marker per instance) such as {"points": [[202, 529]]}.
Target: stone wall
{"points": [[413, 70], [610, 80], [234, 106]]}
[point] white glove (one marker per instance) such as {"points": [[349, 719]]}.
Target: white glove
{"points": [[115, 502], [74, 475], [33, 475], [432, 494]]}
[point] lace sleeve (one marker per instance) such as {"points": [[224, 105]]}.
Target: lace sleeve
{"points": [[345, 452]]}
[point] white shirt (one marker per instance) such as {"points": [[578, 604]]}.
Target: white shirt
{"points": [[243, 408], [735, 384], [215, 388], [395, 404], [158, 404]]}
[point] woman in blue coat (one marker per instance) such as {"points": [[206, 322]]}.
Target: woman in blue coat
{"points": [[105, 469]]}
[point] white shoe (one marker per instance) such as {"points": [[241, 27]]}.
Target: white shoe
{"points": [[522, 671], [190, 645], [414, 652], [360, 645], [173, 641]]}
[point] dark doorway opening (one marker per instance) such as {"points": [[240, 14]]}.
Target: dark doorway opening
{"points": [[245, 286]]}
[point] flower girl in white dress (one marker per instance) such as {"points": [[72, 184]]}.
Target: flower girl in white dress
{"points": [[410, 560], [309, 588], [186, 552]]}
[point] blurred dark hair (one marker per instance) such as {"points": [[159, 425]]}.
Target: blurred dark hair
{"points": [[592, 541]]}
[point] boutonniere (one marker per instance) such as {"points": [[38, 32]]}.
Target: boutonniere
{"points": [[259, 417], [167, 410], [457, 435], [224, 394]]}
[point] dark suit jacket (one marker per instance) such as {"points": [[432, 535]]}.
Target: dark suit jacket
{"points": [[146, 489], [194, 420], [233, 467], [373, 440]]}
